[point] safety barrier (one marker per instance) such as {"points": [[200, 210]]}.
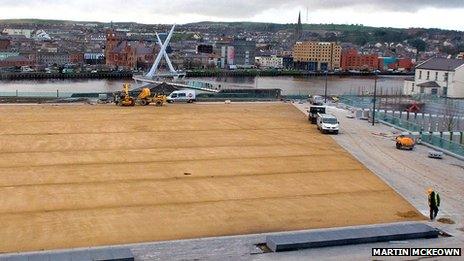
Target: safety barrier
{"points": [[46, 94]]}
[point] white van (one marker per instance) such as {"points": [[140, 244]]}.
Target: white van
{"points": [[26, 69], [182, 96], [327, 123]]}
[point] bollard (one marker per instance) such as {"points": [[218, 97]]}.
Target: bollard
{"points": [[430, 122], [17, 93], [423, 118], [57, 94]]}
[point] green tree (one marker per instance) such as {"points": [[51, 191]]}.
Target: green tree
{"points": [[419, 44]]}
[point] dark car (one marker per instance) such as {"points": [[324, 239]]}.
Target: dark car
{"points": [[313, 111]]}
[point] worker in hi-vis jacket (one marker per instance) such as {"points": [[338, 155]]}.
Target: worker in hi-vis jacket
{"points": [[434, 203]]}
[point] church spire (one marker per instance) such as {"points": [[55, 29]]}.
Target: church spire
{"points": [[299, 29]]}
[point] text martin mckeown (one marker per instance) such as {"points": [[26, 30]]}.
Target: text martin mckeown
{"points": [[416, 251]]}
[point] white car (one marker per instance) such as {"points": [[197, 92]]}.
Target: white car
{"points": [[316, 100], [327, 123], [182, 96]]}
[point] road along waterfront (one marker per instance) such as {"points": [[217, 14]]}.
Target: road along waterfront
{"points": [[290, 85]]}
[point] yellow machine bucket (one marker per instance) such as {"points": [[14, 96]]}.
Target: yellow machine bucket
{"points": [[145, 93]]}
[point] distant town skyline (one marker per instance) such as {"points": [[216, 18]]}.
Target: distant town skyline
{"points": [[393, 13]]}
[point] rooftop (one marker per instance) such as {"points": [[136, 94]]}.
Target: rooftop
{"points": [[328, 116], [441, 64], [140, 48], [19, 58]]}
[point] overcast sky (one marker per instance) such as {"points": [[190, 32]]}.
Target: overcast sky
{"points": [[447, 14]]}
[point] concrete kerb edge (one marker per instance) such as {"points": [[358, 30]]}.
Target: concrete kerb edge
{"points": [[134, 246]]}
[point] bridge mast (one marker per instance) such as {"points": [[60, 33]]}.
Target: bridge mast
{"points": [[162, 53]]}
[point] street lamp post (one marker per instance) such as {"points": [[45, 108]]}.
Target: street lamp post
{"points": [[374, 100], [445, 94], [325, 90]]}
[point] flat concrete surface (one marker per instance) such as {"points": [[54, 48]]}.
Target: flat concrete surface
{"points": [[76, 176], [350, 236], [95, 254]]}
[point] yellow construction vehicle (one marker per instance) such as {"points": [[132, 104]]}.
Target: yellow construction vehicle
{"points": [[123, 98], [144, 98], [159, 99], [405, 142]]}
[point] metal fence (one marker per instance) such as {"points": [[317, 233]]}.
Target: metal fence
{"points": [[439, 105], [357, 101], [47, 94], [443, 143], [445, 121], [411, 126]]}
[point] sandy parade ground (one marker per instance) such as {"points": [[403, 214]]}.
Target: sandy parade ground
{"points": [[82, 175]]}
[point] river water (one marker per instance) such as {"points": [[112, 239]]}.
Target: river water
{"points": [[290, 85]]}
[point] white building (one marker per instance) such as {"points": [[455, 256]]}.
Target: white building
{"points": [[41, 35], [10, 31], [438, 76], [269, 61]]}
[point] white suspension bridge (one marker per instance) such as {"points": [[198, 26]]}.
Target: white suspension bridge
{"points": [[173, 77]]}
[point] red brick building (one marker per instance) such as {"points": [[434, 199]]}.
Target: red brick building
{"points": [[76, 58], [4, 43], [352, 60], [17, 61], [127, 54], [405, 63], [393, 63]]}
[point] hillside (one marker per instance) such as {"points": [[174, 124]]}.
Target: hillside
{"points": [[258, 26], [421, 38]]}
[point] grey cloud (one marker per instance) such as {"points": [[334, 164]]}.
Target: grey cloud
{"points": [[248, 8], [233, 8]]}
